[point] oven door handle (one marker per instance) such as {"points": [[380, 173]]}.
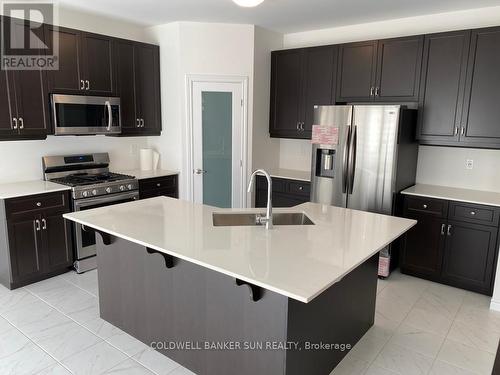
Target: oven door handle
{"points": [[105, 199], [110, 114]]}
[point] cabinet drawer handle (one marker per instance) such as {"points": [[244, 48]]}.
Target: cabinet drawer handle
{"points": [[372, 89], [377, 90], [44, 224], [462, 132], [21, 123], [39, 204], [442, 229], [88, 84], [37, 224], [14, 120], [448, 231], [473, 213], [456, 130]]}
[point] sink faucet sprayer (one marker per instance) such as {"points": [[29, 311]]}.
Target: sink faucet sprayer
{"points": [[268, 220]]}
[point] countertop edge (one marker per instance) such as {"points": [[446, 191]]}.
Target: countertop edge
{"points": [[451, 197], [28, 194]]}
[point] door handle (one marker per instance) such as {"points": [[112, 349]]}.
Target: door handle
{"points": [[372, 89], [142, 122], [110, 114], [298, 125], [345, 159], [302, 126], [199, 171], [377, 91], [443, 226], [462, 131], [44, 224], [88, 84], [138, 123], [353, 150], [21, 123], [456, 130], [448, 231], [14, 121]]}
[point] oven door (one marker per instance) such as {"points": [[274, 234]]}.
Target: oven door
{"points": [[85, 115], [85, 241]]}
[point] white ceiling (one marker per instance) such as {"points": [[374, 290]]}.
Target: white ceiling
{"points": [[281, 15]]}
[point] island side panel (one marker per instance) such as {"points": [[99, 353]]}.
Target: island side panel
{"points": [[189, 303], [340, 315]]}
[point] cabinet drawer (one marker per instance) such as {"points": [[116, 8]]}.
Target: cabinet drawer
{"points": [[158, 183], [279, 184], [434, 207], [300, 188], [473, 213], [35, 203]]}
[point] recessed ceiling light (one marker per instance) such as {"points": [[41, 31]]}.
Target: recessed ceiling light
{"points": [[248, 3]]}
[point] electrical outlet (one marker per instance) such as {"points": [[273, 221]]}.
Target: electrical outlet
{"points": [[469, 164], [134, 149]]}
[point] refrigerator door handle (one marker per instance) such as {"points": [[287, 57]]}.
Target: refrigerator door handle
{"points": [[352, 158], [345, 160]]}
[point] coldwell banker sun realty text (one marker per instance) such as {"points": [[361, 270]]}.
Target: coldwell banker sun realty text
{"points": [[28, 42]]}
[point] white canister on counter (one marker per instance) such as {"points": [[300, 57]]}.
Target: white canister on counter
{"points": [[149, 159]]}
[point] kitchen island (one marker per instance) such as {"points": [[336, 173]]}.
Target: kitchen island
{"points": [[226, 299]]}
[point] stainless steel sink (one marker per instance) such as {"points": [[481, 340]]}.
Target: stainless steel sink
{"points": [[249, 219]]}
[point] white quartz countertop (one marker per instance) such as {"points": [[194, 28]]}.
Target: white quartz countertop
{"points": [[291, 174], [141, 175], [489, 198], [20, 189], [299, 262]]}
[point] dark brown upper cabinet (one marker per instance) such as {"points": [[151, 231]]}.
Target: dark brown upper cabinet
{"points": [[85, 63], [356, 71], [300, 79], [138, 85], [398, 69], [23, 97], [443, 87], [385, 70], [481, 121]]}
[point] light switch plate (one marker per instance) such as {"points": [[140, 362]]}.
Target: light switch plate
{"points": [[469, 164]]}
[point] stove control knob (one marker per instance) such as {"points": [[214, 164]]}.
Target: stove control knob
{"points": [[108, 190], [122, 187], [129, 186], [94, 192], [85, 193]]}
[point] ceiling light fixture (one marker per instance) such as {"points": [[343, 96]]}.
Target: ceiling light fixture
{"points": [[248, 3]]}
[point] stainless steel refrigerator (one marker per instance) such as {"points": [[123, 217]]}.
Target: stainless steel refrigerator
{"points": [[362, 156]]}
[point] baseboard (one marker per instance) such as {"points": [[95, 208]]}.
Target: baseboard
{"points": [[495, 305]]}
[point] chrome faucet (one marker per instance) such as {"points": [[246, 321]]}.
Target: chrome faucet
{"points": [[268, 220]]}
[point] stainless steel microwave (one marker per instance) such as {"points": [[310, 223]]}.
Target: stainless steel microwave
{"points": [[85, 115]]}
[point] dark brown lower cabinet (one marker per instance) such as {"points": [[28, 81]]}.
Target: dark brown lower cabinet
{"points": [[423, 246], [454, 243], [286, 193], [35, 240], [167, 186], [469, 255]]}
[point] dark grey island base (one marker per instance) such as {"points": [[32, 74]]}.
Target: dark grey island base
{"points": [[162, 300]]}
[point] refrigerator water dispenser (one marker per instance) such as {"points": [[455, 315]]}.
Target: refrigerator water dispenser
{"points": [[325, 163]]}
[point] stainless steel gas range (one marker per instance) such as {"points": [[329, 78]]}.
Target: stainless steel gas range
{"points": [[92, 186]]}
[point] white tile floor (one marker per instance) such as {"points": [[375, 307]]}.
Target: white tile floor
{"points": [[53, 327]]}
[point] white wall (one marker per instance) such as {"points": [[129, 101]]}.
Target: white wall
{"points": [[197, 48], [296, 154], [21, 160], [446, 166], [266, 150]]}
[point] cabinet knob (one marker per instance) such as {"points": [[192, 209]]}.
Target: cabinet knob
{"points": [[38, 204], [158, 184], [301, 188], [473, 213], [424, 206]]}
